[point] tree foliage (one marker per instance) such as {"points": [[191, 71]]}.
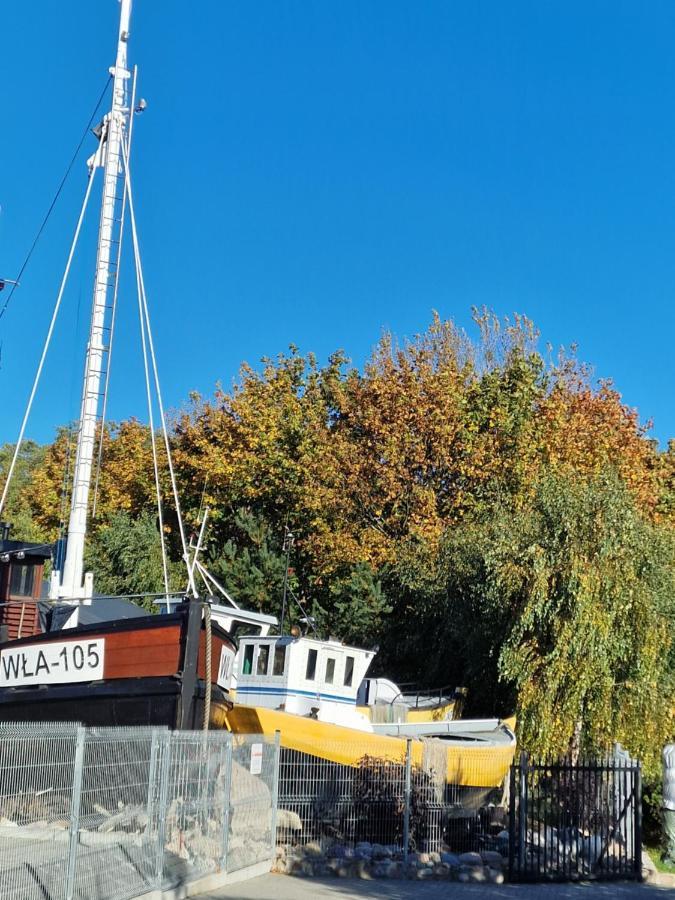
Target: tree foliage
{"points": [[483, 510]]}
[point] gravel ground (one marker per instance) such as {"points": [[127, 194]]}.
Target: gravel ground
{"points": [[284, 887]]}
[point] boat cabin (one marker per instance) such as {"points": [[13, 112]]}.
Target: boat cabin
{"points": [[302, 675], [21, 573], [237, 622]]}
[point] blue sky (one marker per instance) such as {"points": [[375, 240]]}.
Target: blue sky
{"points": [[315, 172]]}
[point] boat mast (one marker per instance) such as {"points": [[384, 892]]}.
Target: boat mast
{"points": [[69, 584]]}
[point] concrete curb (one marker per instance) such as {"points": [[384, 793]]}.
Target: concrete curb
{"points": [[208, 883], [660, 879]]}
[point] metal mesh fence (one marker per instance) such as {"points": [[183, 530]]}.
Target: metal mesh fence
{"points": [[402, 803], [112, 813]]}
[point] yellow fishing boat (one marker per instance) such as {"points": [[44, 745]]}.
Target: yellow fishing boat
{"points": [[307, 690]]}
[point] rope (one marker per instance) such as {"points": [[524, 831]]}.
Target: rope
{"points": [[55, 199], [155, 464], [45, 348], [207, 667], [174, 488]]}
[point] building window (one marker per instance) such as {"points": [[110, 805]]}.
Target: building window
{"points": [[311, 666], [21, 582], [279, 664], [349, 671], [330, 670], [263, 659], [247, 668]]}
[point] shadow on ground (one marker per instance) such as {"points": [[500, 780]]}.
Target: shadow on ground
{"points": [[284, 887]]}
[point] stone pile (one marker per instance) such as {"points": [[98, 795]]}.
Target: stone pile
{"points": [[366, 860]]}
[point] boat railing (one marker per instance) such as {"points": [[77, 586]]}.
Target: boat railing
{"points": [[417, 697]]}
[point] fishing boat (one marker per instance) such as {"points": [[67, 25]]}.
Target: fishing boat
{"points": [[70, 655], [308, 690]]}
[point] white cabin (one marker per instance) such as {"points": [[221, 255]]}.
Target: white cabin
{"points": [[237, 622], [304, 676]]}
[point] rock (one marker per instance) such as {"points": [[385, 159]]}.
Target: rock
{"points": [[470, 859], [472, 873], [495, 876], [450, 859], [647, 863], [426, 872], [362, 869], [288, 820], [492, 858]]}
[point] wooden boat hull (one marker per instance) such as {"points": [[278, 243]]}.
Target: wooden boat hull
{"points": [[152, 671]]}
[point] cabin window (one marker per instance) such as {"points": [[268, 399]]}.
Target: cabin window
{"points": [[311, 666], [349, 671], [279, 663], [263, 659], [239, 629], [21, 583], [248, 660], [330, 669]]}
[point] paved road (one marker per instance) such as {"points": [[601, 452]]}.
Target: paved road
{"points": [[283, 887]]}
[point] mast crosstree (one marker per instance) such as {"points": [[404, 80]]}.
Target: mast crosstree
{"points": [[72, 583]]}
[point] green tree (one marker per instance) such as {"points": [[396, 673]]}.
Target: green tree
{"points": [[17, 508], [126, 558], [562, 610]]}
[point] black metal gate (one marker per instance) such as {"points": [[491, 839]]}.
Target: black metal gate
{"points": [[572, 821]]}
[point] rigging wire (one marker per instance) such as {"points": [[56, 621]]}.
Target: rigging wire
{"points": [[48, 338], [69, 447], [148, 391], [3, 309], [174, 487]]}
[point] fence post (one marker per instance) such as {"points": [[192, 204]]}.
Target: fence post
{"points": [[522, 812], [164, 769], [275, 792], [75, 812], [227, 795], [637, 784], [407, 799], [513, 806], [152, 776]]}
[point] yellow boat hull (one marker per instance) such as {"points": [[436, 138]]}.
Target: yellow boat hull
{"points": [[468, 766]]}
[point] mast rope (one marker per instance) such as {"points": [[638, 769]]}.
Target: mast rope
{"points": [[148, 391], [144, 302], [3, 310], [48, 338]]}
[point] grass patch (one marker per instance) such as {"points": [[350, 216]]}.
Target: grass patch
{"points": [[655, 854]]}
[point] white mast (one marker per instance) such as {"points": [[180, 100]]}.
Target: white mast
{"points": [[70, 584]]}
